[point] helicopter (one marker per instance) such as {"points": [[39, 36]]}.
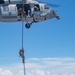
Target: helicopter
{"points": [[29, 11]]}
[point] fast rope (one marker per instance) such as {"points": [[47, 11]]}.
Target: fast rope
{"points": [[22, 32], [21, 52], [23, 58]]}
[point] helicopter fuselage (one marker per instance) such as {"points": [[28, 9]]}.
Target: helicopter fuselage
{"points": [[33, 12]]}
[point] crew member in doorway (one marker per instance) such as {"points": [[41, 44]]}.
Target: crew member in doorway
{"points": [[29, 12], [20, 10], [27, 9]]}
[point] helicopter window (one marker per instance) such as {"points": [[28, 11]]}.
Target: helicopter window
{"points": [[46, 6], [36, 7], [5, 8]]}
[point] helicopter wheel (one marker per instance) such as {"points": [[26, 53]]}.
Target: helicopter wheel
{"points": [[27, 25]]}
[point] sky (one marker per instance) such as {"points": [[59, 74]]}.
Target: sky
{"points": [[49, 45]]}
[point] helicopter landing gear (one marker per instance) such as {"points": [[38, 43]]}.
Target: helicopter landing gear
{"points": [[28, 25]]}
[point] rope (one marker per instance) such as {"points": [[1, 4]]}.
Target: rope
{"points": [[24, 69], [22, 33], [21, 52], [23, 58], [22, 24]]}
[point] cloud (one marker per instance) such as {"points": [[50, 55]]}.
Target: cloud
{"points": [[5, 72], [42, 66]]}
